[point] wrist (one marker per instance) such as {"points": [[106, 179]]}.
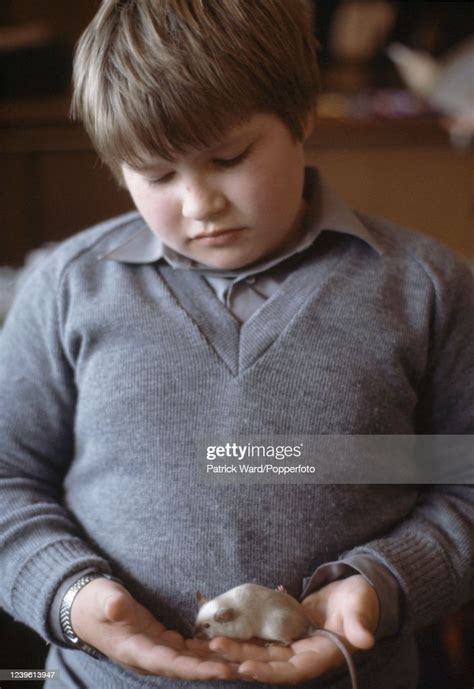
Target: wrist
{"points": [[69, 634]]}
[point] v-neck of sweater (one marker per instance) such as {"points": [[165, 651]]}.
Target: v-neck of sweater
{"points": [[239, 345]]}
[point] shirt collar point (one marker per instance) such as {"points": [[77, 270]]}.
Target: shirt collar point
{"points": [[142, 247]]}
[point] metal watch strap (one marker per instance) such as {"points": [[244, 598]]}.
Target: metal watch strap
{"points": [[65, 613]]}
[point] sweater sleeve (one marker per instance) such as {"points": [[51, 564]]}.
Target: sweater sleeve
{"points": [[40, 544], [431, 553]]}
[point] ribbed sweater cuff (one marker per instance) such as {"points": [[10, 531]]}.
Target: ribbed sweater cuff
{"points": [[40, 577], [418, 565]]}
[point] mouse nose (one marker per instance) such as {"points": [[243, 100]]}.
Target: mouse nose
{"points": [[199, 632]]}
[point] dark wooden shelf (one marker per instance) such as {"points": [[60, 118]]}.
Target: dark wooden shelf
{"points": [[377, 131]]}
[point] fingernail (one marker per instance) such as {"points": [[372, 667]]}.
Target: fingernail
{"points": [[246, 676]]}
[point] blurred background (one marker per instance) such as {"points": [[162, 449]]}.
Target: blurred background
{"points": [[394, 137]]}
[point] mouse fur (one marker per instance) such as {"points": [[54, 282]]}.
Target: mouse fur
{"points": [[249, 611]]}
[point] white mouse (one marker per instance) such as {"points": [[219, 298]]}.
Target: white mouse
{"points": [[249, 611]]}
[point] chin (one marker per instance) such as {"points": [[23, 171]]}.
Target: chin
{"points": [[229, 262]]}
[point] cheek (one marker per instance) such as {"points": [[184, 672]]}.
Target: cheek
{"points": [[159, 212], [275, 198], [275, 186]]}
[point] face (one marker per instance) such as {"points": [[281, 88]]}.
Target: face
{"points": [[231, 204], [213, 620]]}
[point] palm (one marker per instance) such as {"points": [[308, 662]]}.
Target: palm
{"points": [[141, 642], [349, 608], [126, 632]]}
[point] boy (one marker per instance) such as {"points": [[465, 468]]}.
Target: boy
{"points": [[242, 299]]}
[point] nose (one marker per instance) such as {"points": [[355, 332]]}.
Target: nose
{"points": [[198, 632], [202, 200]]}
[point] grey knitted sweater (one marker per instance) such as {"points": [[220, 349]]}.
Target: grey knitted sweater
{"points": [[108, 371]]}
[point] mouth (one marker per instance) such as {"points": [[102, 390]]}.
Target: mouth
{"points": [[198, 632], [220, 237]]}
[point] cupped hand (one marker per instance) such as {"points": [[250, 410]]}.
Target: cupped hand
{"points": [[349, 608], [107, 617]]}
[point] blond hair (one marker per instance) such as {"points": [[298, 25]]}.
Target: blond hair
{"points": [[158, 77]]}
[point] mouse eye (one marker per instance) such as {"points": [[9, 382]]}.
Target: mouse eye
{"points": [[206, 626]]}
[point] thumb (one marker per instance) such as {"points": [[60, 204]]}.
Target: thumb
{"points": [[118, 607], [356, 630]]}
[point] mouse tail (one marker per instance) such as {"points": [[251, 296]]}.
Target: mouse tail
{"points": [[336, 639]]}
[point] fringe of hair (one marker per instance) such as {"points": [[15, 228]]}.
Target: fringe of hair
{"points": [[159, 77]]}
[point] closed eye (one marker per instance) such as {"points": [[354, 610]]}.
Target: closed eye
{"points": [[231, 162], [161, 180], [220, 162]]}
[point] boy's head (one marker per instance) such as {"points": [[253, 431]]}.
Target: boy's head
{"points": [[156, 77], [201, 108]]}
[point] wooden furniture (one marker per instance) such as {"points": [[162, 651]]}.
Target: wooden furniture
{"points": [[405, 170], [51, 182]]}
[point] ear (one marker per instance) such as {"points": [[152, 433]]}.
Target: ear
{"points": [[200, 599], [225, 615]]}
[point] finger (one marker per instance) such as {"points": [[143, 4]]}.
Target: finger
{"points": [[273, 673], [322, 647], [238, 651], [326, 653], [301, 667], [356, 630], [172, 639], [315, 608], [200, 648], [182, 666], [142, 653], [197, 645], [210, 670], [187, 666]]}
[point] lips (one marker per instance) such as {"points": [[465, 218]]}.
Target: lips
{"points": [[217, 233], [220, 237]]}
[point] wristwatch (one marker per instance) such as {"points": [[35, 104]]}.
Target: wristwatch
{"points": [[65, 613]]}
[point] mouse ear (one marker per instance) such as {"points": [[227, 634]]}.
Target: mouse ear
{"points": [[200, 599], [225, 615]]}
